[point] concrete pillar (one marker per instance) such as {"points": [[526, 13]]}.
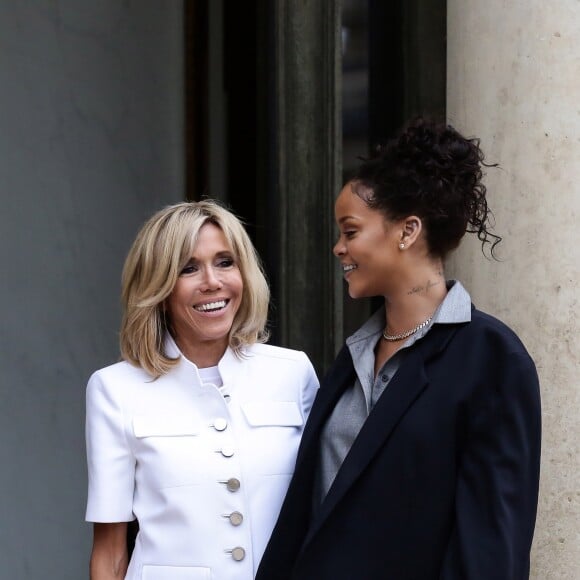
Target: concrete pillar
{"points": [[513, 79]]}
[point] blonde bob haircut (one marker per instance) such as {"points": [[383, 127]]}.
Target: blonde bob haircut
{"points": [[161, 250]]}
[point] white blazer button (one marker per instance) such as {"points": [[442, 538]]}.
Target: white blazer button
{"points": [[236, 518], [227, 451], [220, 424], [238, 554], [233, 484]]}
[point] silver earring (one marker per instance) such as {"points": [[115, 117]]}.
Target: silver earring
{"points": [[401, 246]]}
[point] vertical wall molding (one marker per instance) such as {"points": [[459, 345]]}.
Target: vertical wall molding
{"points": [[308, 169]]}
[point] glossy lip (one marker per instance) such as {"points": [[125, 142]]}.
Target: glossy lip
{"points": [[215, 312]]}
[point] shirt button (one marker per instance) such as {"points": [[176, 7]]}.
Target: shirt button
{"points": [[236, 518], [220, 424], [238, 554], [233, 484], [227, 451]]}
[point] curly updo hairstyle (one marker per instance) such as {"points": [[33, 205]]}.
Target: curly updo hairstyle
{"points": [[430, 170]]}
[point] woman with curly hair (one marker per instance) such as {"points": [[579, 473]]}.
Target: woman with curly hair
{"points": [[194, 434], [420, 459]]}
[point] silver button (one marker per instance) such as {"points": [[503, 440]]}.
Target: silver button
{"points": [[227, 451], [236, 518], [220, 424], [233, 484], [238, 554]]}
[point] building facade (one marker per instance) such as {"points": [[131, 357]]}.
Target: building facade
{"points": [[111, 110]]}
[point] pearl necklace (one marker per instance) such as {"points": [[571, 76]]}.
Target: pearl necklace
{"points": [[406, 334]]}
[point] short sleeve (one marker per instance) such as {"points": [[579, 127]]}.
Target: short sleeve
{"points": [[110, 462]]}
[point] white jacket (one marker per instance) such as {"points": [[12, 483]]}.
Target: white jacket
{"points": [[204, 471]]}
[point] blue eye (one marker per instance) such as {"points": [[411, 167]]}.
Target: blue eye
{"points": [[226, 263], [189, 269]]}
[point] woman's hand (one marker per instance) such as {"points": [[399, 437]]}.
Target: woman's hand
{"points": [[109, 558]]}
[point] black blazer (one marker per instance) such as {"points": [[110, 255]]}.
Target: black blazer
{"points": [[442, 480]]}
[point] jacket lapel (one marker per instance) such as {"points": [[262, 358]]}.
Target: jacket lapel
{"points": [[333, 385], [405, 387]]}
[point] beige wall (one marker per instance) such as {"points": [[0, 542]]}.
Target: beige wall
{"points": [[514, 80]]}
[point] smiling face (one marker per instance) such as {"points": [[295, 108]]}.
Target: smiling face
{"points": [[206, 298], [368, 246]]}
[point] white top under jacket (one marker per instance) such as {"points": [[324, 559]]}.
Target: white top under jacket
{"points": [[204, 470]]}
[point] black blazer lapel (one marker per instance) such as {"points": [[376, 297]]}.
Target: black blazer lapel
{"points": [[339, 377], [404, 389]]}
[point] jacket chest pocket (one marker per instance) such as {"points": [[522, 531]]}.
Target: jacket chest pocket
{"points": [[169, 450], [175, 573], [276, 427]]}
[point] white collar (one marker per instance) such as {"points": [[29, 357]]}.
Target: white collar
{"points": [[229, 365]]}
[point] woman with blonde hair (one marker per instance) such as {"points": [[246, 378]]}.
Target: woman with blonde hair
{"points": [[195, 432]]}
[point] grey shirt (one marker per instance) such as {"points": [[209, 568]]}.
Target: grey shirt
{"points": [[357, 401]]}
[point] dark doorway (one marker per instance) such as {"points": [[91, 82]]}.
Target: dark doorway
{"points": [[394, 68], [230, 110]]}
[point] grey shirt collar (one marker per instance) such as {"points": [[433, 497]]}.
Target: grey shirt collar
{"points": [[455, 308]]}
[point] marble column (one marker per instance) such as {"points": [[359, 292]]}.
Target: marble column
{"points": [[513, 80]]}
